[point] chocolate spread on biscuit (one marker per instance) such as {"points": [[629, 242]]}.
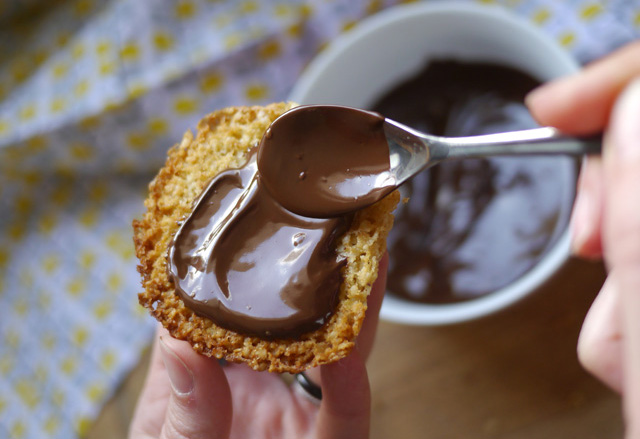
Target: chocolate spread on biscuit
{"points": [[252, 266], [472, 226]]}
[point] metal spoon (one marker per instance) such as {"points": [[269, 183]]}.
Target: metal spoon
{"points": [[327, 160], [412, 151]]}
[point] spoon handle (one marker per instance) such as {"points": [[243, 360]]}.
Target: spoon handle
{"points": [[546, 140]]}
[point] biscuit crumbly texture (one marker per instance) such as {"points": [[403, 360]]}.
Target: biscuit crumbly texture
{"points": [[222, 141]]}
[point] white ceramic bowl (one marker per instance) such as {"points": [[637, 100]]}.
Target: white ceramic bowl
{"points": [[386, 48]]}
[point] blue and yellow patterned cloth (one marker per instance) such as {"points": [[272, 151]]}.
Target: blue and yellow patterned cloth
{"points": [[92, 93]]}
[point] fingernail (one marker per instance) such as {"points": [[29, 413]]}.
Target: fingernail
{"points": [[180, 376], [579, 222], [545, 92], [625, 123], [535, 95]]}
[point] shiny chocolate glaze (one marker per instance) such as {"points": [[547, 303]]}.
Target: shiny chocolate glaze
{"points": [[325, 160], [251, 266], [247, 261], [472, 226]]}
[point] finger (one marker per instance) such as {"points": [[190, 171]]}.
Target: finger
{"points": [[586, 218], [346, 400], [370, 324], [263, 401], [374, 302], [200, 402], [600, 341], [152, 404], [621, 238], [581, 103]]}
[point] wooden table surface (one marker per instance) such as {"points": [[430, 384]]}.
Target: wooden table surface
{"points": [[512, 375]]}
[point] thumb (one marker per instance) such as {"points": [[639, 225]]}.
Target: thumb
{"points": [[200, 401], [621, 237]]}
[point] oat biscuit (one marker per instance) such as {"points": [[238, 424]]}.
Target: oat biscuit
{"points": [[221, 142]]}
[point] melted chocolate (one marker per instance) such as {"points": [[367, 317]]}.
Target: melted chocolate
{"points": [[247, 261], [472, 226], [324, 160], [251, 266]]}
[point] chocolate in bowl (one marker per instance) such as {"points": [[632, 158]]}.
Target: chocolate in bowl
{"points": [[472, 227]]}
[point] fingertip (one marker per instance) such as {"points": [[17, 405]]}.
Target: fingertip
{"points": [[161, 331], [374, 302], [180, 375], [346, 385], [576, 104], [538, 101], [379, 287], [586, 247], [346, 399], [586, 216], [200, 405], [206, 371], [548, 102], [585, 229], [366, 336], [383, 266]]}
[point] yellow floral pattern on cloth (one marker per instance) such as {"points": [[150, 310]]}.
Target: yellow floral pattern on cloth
{"points": [[92, 93]]}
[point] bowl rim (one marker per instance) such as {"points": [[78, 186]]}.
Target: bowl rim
{"points": [[400, 310], [399, 13]]}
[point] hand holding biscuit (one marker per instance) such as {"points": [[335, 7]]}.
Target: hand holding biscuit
{"points": [[187, 395], [237, 278]]}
